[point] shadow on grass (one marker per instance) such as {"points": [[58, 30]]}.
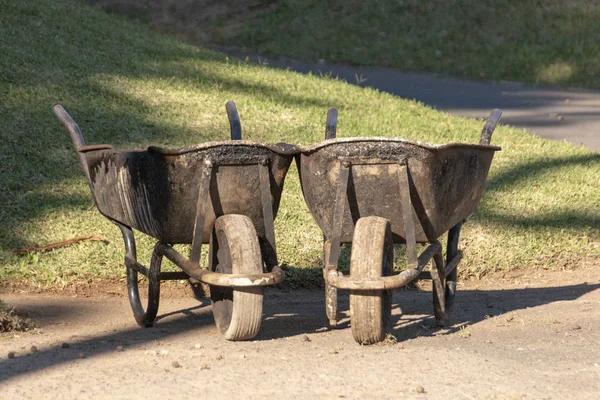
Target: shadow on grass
{"points": [[472, 38], [556, 220], [37, 205], [531, 170], [75, 65], [292, 314], [515, 176]]}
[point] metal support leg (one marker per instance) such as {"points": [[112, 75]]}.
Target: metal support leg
{"points": [[407, 216], [331, 299], [438, 273], [143, 318], [205, 179], [451, 254], [331, 249], [438, 277], [270, 250]]}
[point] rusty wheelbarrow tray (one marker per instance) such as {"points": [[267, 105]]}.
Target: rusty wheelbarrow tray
{"points": [[376, 192], [223, 193]]}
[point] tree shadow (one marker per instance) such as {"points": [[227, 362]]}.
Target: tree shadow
{"points": [[176, 324], [67, 68], [88, 71], [531, 170], [473, 306], [292, 314], [517, 174]]}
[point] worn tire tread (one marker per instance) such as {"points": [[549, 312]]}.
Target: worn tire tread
{"points": [[371, 258], [244, 251]]}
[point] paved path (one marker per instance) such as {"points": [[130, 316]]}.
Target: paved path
{"points": [[571, 114]]}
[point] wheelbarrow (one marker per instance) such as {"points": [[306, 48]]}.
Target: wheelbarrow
{"points": [[376, 192], [223, 193]]}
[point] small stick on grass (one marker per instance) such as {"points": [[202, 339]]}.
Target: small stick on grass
{"points": [[95, 238]]}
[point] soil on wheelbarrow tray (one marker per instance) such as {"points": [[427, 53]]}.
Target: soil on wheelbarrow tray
{"points": [[519, 335]]}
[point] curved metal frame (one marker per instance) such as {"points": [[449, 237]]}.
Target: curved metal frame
{"points": [[443, 274], [331, 295], [143, 317], [191, 267]]}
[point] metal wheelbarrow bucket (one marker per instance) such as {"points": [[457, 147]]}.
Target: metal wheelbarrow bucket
{"points": [[223, 193], [376, 192]]}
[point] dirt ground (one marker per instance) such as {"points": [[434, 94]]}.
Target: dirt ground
{"points": [[527, 335]]}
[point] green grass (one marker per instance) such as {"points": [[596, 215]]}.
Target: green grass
{"points": [[553, 42], [130, 86], [549, 42]]}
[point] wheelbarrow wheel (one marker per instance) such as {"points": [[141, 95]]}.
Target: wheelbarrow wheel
{"points": [[372, 257], [235, 249]]}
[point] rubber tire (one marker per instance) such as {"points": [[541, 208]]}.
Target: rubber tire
{"points": [[372, 257], [236, 249]]}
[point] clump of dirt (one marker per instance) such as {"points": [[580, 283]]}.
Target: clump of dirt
{"points": [[11, 321]]}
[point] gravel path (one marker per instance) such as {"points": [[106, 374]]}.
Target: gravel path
{"points": [[519, 337]]}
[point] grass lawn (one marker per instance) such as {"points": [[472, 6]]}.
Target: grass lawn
{"points": [[554, 42], [128, 85]]}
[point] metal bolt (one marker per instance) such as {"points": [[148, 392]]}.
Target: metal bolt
{"points": [[345, 164]]}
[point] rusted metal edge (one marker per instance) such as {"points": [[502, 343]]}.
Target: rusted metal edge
{"points": [[453, 264], [279, 148], [427, 146], [214, 278], [338, 280]]}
